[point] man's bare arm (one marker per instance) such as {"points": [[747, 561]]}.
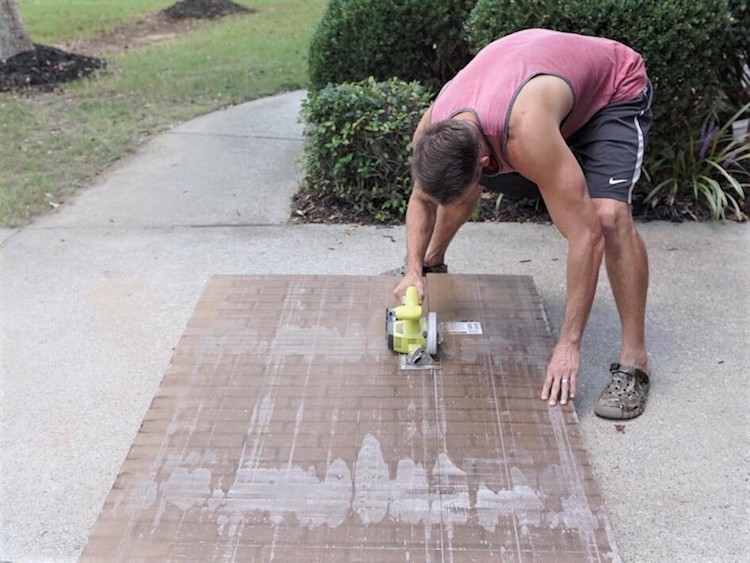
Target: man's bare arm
{"points": [[539, 152], [420, 222]]}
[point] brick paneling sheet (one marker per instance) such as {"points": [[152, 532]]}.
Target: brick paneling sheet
{"points": [[284, 430]]}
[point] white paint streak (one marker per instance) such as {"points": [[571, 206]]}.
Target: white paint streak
{"points": [[259, 421], [297, 422], [371, 482], [521, 500], [258, 427], [142, 495], [440, 498], [576, 512], [334, 422], [452, 504], [264, 413], [411, 431], [410, 493], [188, 485], [185, 489], [292, 491], [445, 469], [291, 340], [329, 504]]}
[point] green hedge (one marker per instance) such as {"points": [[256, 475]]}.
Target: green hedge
{"points": [[677, 38], [736, 54], [358, 144], [410, 39], [358, 132]]}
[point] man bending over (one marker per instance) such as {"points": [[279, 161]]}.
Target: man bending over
{"points": [[567, 114]]}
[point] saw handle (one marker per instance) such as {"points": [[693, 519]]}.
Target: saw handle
{"points": [[411, 310]]}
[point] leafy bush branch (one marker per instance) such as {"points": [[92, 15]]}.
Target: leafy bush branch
{"points": [[358, 144], [711, 169]]}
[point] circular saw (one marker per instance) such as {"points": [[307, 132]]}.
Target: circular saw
{"points": [[408, 331]]}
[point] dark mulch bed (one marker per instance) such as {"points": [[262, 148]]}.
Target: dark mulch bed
{"points": [[44, 68], [204, 9], [308, 208]]}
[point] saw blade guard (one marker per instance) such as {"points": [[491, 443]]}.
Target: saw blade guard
{"points": [[432, 333]]}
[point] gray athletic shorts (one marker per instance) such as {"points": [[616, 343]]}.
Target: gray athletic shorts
{"points": [[609, 148]]}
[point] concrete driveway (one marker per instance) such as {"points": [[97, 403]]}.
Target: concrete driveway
{"points": [[94, 298]]}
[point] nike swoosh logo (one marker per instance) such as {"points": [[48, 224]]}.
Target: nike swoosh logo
{"points": [[613, 182]]}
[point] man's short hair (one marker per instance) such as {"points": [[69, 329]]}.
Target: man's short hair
{"points": [[446, 159]]}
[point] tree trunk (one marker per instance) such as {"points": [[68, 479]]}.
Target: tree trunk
{"points": [[14, 38]]}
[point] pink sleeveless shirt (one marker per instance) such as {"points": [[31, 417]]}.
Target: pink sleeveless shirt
{"points": [[599, 71]]}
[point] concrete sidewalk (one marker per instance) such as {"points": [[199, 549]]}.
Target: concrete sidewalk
{"points": [[94, 298]]}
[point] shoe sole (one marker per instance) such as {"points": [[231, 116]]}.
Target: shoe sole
{"points": [[612, 413]]}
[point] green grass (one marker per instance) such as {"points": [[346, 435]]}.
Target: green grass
{"points": [[57, 21], [53, 144]]}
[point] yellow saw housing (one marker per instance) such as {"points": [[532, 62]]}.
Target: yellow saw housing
{"points": [[407, 330]]}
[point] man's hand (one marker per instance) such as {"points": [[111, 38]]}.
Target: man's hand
{"points": [[561, 374], [410, 278]]}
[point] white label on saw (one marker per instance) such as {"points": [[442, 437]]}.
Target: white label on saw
{"points": [[462, 327]]}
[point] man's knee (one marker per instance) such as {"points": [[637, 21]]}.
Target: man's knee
{"points": [[615, 217]]}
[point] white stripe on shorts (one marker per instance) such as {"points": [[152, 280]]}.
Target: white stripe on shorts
{"points": [[638, 159]]}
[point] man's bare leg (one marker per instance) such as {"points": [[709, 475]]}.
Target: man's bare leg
{"points": [[627, 268], [447, 222]]}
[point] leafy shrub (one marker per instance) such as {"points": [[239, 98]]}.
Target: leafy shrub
{"points": [[358, 144], [734, 71], [492, 19], [677, 38], [711, 169], [409, 39]]}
